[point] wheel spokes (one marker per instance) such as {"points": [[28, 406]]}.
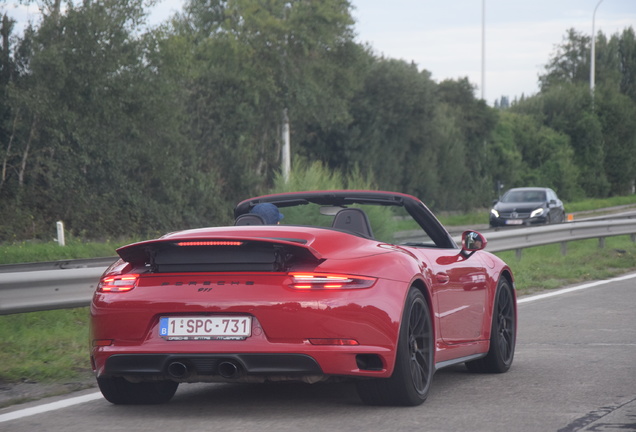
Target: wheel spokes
{"points": [[419, 346], [505, 321]]}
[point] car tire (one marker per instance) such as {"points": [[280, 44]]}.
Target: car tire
{"points": [[120, 391], [414, 364], [502, 334]]}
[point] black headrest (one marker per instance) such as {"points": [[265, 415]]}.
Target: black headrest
{"points": [[249, 219], [354, 220]]}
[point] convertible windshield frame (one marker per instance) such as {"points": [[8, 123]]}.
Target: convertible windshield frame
{"points": [[415, 208]]}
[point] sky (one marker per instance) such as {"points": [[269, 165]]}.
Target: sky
{"points": [[445, 36]]}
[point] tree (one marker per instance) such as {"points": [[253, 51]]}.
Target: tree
{"points": [[601, 127], [569, 63], [7, 72], [97, 138], [567, 108], [391, 133], [253, 62], [627, 54], [617, 114], [615, 62], [536, 156], [474, 122]]}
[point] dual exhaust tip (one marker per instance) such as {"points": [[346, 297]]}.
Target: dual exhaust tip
{"points": [[227, 369]]}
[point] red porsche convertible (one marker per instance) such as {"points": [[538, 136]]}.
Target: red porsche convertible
{"points": [[359, 285]]}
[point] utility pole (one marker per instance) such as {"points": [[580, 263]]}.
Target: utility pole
{"points": [[286, 150], [592, 54], [483, 49], [285, 134]]}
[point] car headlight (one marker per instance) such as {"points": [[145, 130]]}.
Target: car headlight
{"points": [[494, 212], [537, 212]]}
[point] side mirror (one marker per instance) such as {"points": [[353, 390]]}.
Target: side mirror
{"points": [[473, 241]]}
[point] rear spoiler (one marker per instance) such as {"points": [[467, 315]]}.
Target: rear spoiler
{"points": [[219, 254]]}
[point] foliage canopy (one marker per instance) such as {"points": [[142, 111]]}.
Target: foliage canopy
{"points": [[114, 127]]}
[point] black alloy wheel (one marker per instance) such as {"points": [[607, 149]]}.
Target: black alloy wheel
{"points": [[502, 335], [414, 365]]}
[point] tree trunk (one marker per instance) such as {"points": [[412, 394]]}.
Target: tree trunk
{"points": [[25, 155], [286, 156], [3, 178]]}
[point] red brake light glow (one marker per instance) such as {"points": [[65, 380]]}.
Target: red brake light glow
{"points": [[310, 281], [119, 283], [210, 243]]}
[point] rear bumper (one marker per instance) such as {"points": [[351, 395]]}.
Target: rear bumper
{"points": [[159, 365], [293, 332], [248, 367]]}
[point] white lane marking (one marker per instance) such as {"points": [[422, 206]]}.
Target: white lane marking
{"points": [[49, 407], [97, 395], [575, 288]]}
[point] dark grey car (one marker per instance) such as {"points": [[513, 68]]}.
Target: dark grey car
{"points": [[527, 206]]}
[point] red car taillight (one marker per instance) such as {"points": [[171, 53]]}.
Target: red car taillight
{"points": [[119, 283], [329, 281]]}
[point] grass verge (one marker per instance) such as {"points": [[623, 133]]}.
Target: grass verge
{"points": [[598, 204], [31, 251], [44, 346], [543, 268]]}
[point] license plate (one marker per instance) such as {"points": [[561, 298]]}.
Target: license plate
{"points": [[205, 327], [514, 222]]}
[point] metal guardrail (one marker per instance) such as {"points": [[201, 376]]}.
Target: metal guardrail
{"points": [[47, 289], [50, 285], [71, 283], [520, 238], [57, 265]]}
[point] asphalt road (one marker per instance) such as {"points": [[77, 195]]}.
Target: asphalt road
{"points": [[574, 370]]}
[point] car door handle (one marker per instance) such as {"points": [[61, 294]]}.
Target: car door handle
{"points": [[442, 278]]}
